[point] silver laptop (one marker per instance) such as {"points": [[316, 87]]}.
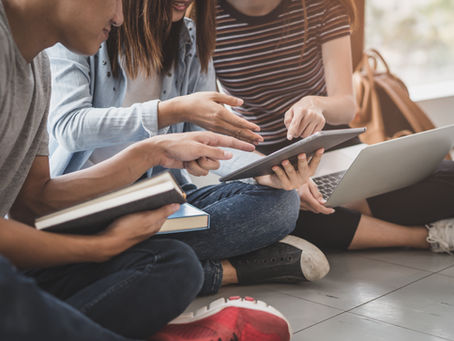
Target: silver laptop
{"points": [[363, 171]]}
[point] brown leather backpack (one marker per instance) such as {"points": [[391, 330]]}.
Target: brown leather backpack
{"points": [[384, 105]]}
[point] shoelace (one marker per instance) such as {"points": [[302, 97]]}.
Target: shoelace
{"points": [[441, 236]]}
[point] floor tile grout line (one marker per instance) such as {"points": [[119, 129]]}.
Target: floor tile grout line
{"points": [[310, 301], [370, 318], [350, 310], [406, 266], [319, 322], [396, 325]]}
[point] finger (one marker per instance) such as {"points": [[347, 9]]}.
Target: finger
{"points": [[227, 99], [292, 174], [218, 140], [194, 168], [309, 129], [237, 121], [207, 163], [321, 208], [315, 161], [160, 213], [305, 207], [285, 182], [292, 130], [244, 134], [320, 125], [288, 117], [303, 167], [315, 191]]}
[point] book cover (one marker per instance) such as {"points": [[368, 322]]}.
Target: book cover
{"points": [[96, 214], [187, 218]]}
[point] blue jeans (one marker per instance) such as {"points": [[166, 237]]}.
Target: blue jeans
{"points": [[134, 295], [243, 218]]}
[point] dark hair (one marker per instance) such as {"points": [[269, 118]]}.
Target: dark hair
{"points": [[148, 40]]}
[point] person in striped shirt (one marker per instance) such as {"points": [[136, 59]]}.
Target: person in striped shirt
{"points": [[290, 61]]}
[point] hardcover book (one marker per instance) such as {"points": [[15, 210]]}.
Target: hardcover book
{"points": [[187, 218], [96, 214]]}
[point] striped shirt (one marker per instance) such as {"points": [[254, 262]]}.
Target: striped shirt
{"points": [[262, 60]]}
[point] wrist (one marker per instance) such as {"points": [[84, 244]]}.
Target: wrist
{"points": [[102, 248], [171, 111]]}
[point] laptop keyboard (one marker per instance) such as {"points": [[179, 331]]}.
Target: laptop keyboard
{"points": [[327, 183]]}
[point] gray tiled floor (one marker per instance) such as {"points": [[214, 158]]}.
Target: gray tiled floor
{"points": [[369, 295]]}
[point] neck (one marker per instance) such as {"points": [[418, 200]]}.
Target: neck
{"points": [[31, 25], [255, 7]]}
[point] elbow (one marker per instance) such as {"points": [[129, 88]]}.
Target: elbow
{"points": [[65, 134]]}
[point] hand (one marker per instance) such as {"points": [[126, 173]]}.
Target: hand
{"points": [[304, 118], [182, 150], [311, 199], [287, 177], [132, 229], [206, 109]]}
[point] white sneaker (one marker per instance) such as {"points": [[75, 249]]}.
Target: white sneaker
{"points": [[441, 235]]}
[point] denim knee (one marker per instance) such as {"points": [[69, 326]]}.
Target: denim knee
{"points": [[286, 208], [187, 268]]}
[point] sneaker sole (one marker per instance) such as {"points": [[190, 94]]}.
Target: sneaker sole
{"points": [[314, 263], [222, 303]]}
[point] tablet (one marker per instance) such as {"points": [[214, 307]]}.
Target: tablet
{"points": [[323, 139]]}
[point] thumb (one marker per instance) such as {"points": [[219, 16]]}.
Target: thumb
{"points": [[164, 211]]}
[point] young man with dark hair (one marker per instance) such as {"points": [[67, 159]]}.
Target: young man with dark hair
{"points": [[117, 284]]}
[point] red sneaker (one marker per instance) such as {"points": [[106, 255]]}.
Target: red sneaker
{"points": [[233, 319]]}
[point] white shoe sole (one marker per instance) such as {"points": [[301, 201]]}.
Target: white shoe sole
{"points": [[314, 264], [222, 303]]}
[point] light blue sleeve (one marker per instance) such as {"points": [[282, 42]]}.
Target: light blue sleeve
{"points": [[74, 121]]}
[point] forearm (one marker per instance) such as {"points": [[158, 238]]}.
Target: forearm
{"points": [[27, 247], [89, 128], [337, 110], [118, 171], [41, 195]]}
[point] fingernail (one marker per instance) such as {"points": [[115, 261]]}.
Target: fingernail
{"points": [[175, 207], [289, 137], [323, 201], [228, 154]]}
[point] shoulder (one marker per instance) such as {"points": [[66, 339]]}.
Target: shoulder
{"points": [[6, 50], [59, 51]]}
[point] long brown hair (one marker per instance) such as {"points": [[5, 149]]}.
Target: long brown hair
{"points": [[148, 40]]}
